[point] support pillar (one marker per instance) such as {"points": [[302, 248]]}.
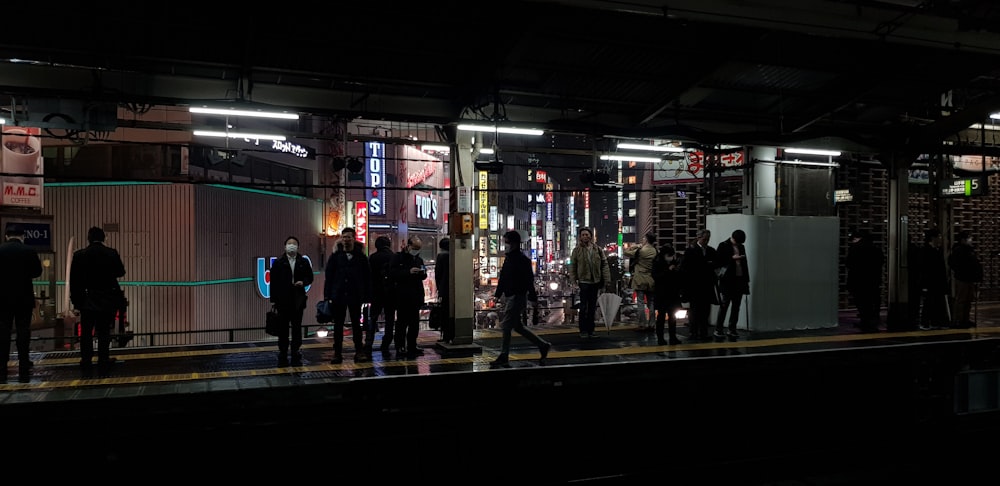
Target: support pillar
{"points": [[898, 242], [461, 297]]}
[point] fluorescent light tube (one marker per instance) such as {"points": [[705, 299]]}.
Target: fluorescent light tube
{"points": [[651, 148], [486, 151], [499, 129], [630, 158], [256, 136], [436, 148], [2, 121], [817, 164], [232, 112], [806, 151], [979, 126], [995, 116]]}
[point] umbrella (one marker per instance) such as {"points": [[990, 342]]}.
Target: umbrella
{"points": [[609, 307]]}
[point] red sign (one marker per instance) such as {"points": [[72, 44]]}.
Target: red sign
{"points": [[541, 177], [361, 218]]}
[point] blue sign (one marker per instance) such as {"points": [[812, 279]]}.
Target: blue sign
{"points": [[36, 235], [375, 177], [264, 275]]}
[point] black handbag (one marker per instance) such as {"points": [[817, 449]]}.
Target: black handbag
{"points": [[324, 312], [274, 323]]}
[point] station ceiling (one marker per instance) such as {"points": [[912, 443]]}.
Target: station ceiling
{"points": [[900, 77]]}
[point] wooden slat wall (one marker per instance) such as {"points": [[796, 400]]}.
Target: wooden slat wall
{"points": [[174, 239]]}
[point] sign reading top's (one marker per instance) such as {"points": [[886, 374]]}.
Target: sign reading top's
{"points": [[375, 177]]}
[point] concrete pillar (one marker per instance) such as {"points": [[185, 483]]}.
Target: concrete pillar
{"points": [[461, 295]]}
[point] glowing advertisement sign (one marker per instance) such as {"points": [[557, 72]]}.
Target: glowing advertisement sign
{"points": [[21, 160], [484, 203], [361, 222], [426, 205], [263, 277], [375, 177]]}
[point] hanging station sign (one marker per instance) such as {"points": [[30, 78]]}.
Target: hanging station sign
{"points": [[963, 187]]}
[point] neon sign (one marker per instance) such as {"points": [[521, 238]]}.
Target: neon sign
{"points": [[375, 177], [263, 276], [361, 222]]}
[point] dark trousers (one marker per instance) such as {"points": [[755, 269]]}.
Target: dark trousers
{"points": [[588, 306], [934, 312], [340, 312], [382, 305], [99, 323], [867, 302], [447, 323], [407, 327], [511, 321], [19, 320], [293, 321], [698, 317], [733, 301]]}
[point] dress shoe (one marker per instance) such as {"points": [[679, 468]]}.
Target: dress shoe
{"points": [[24, 377], [732, 335], [337, 359], [296, 361], [499, 363], [282, 362], [361, 357], [675, 341], [3, 379], [661, 342]]}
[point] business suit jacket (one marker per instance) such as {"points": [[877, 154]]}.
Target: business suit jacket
{"points": [[283, 293], [732, 282], [20, 265], [93, 278]]}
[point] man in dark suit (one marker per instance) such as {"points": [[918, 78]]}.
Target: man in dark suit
{"points": [[348, 286], [382, 293], [96, 296], [290, 275], [734, 282], [698, 269], [408, 271], [20, 265]]}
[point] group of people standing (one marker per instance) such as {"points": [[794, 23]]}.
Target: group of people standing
{"points": [[386, 283], [929, 279], [662, 280]]}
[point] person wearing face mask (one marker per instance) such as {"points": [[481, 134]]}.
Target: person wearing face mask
{"points": [[968, 272], [291, 273], [348, 286], [408, 271], [17, 299]]}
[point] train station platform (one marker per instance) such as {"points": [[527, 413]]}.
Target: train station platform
{"points": [[834, 403]]}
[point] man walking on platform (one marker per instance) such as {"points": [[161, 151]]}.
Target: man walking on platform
{"points": [[515, 287]]}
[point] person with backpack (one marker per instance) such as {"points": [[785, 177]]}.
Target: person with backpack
{"points": [[382, 288]]}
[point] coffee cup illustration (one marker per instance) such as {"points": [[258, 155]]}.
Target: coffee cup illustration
{"points": [[22, 154]]}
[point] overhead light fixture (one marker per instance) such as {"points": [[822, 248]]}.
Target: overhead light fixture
{"points": [[252, 136], [630, 158], [499, 129], [974, 126], [486, 151], [2, 121], [235, 112], [807, 151], [995, 116], [436, 148], [817, 164], [650, 148]]}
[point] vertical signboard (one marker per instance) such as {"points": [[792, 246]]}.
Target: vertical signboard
{"points": [[21, 164], [484, 203], [375, 177], [361, 222]]}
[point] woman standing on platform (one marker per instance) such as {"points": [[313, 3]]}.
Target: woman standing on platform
{"points": [[641, 260], [290, 275]]}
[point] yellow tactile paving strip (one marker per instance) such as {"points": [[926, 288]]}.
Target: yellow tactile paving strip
{"points": [[480, 362]]}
